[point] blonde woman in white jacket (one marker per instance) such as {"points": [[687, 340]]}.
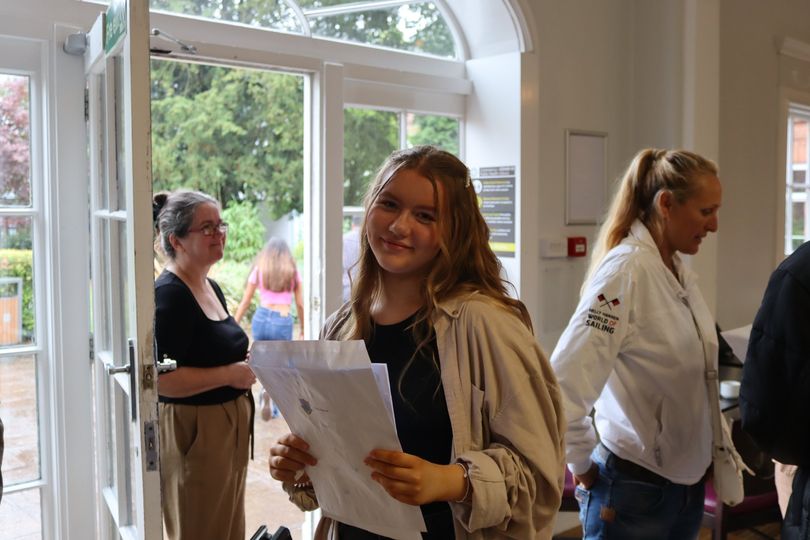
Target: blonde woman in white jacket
{"points": [[634, 353]]}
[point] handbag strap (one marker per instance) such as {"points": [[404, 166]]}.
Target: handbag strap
{"points": [[710, 375]]}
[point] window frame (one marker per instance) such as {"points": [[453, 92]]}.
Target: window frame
{"points": [[794, 106], [26, 57], [791, 187]]}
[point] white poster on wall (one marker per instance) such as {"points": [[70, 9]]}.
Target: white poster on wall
{"points": [[586, 177]]}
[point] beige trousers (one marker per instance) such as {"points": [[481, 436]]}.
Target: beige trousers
{"points": [[203, 466]]}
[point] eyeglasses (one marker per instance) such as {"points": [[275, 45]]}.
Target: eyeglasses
{"points": [[209, 229]]}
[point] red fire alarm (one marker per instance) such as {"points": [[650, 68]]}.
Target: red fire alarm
{"points": [[577, 246]]}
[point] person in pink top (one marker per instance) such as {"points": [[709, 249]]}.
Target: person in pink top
{"points": [[275, 275]]}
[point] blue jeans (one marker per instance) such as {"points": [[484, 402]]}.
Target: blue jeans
{"points": [[619, 506], [271, 325]]}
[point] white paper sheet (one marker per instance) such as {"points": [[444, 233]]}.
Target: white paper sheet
{"points": [[737, 339], [329, 396], [381, 377]]}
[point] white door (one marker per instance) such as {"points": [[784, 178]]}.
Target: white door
{"points": [[122, 286]]}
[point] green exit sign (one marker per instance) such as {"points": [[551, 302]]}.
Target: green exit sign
{"points": [[115, 24]]}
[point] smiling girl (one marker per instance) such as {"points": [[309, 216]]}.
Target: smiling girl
{"points": [[476, 404]]}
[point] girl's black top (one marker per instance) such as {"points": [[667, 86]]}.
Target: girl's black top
{"points": [[420, 410], [184, 333]]}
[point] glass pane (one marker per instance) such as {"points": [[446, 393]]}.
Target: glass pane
{"points": [[441, 131], [369, 137], [18, 409], [307, 5], [122, 413], [107, 384], [122, 290], [103, 188], [799, 176], [20, 516], [120, 146], [797, 227], [17, 325], [412, 27], [15, 141], [799, 140], [275, 14], [103, 334]]}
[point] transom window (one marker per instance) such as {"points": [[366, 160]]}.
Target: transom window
{"points": [[405, 25]]}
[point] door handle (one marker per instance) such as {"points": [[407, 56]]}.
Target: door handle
{"points": [[112, 370]]}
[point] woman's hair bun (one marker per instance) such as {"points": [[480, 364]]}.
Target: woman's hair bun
{"points": [[158, 202]]}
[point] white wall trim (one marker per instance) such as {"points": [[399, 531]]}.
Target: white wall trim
{"points": [[75, 509], [459, 39], [411, 80], [521, 24]]}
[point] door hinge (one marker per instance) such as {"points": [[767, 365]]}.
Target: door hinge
{"points": [[86, 104], [91, 342], [150, 445]]}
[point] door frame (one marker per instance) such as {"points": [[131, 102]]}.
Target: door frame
{"points": [[135, 466]]}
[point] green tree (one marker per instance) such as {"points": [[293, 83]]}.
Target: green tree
{"points": [[245, 231], [234, 133], [416, 27], [441, 131], [264, 13], [15, 141], [369, 137]]}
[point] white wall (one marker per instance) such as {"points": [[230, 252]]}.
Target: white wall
{"points": [[643, 72], [492, 135], [750, 35], [578, 76]]}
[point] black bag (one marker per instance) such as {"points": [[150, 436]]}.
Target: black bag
{"points": [[283, 533]]}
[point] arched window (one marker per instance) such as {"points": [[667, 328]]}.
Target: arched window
{"points": [[420, 27]]}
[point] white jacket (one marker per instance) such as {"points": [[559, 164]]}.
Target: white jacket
{"points": [[633, 352]]}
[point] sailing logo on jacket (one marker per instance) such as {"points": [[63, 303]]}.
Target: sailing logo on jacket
{"points": [[608, 303], [600, 317]]}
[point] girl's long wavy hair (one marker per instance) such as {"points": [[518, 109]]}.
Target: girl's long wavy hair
{"points": [[651, 172], [275, 266], [465, 261]]}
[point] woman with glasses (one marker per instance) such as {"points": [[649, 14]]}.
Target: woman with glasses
{"points": [[278, 281], [205, 405]]}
